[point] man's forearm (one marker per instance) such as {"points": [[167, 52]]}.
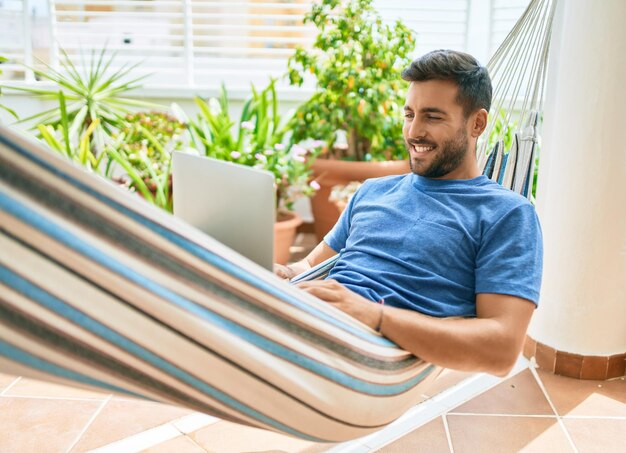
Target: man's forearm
{"points": [[458, 343]]}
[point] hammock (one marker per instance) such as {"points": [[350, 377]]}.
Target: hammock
{"points": [[100, 289]]}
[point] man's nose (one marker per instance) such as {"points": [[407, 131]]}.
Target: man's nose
{"points": [[416, 129]]}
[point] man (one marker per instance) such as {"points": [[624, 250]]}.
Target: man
{"points": [[453, 259]]}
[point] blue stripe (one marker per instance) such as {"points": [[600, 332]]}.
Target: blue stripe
{"points": [[505, 158], [56, 232], [47, 300], [202, 253], [23, 357]]}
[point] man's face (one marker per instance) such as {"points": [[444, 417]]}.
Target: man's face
{"points": [[435, 130]]}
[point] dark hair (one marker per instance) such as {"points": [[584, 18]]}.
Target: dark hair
{"points": [[472, 79]]}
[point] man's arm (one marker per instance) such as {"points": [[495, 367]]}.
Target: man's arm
{"points": [[491, 342], [318, 255]]}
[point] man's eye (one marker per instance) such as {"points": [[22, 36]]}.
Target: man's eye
{"points": [[434, 118], [408, 115]]}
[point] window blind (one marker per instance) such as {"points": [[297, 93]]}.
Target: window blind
{"points": [[504, 15], [200, 43]]}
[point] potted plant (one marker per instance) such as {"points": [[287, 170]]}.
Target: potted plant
{"points": [[93, 126], [259, 139], [143, 148], [95, 94], [357, 61]]}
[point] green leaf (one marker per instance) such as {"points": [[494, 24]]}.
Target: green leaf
{"points": [[146, 133], [134, 176], [47, 133], [78, 122], [160, 199], [65, 125], [8, 110], [85, 153], [276, 118]]}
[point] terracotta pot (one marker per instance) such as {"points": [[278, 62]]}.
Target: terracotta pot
{"points": [[329, 173], [284, 235]]}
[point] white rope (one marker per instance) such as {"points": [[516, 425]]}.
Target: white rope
{"points": [[519, 67]]}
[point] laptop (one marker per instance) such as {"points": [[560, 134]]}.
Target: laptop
{"points": [[233, 203]]}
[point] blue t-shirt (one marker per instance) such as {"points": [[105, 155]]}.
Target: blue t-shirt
{"points": [[431, 245]]}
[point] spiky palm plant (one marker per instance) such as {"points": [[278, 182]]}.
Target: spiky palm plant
{"points": [[83, 98]]}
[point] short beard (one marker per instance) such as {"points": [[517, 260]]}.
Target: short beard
{"points": [[448, 158]]}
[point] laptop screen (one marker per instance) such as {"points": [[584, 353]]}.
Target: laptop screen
{"points": [[234, 204]]}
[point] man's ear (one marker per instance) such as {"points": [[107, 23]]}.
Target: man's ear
{"points": [[478, 123]]}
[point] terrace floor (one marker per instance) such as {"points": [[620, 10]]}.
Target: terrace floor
{"points": [[529, 411]]}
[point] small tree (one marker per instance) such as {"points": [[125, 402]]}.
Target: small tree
{"points": [[357, 61]]}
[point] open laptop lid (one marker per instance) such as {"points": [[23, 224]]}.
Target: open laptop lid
{"points": [[233, 203]]}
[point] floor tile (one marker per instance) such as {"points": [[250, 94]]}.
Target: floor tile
{"points": [[6, 380], [42, 425], [431, 438], [182, 444], [582, 397], [446, 380], [518, 395], [121, 418], [228, 437], [503, 434], [35, 389], [601, 435]]}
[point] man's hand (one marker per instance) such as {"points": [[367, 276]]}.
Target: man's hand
{"points": [[319, 254], [366, 311], [284, 272]]}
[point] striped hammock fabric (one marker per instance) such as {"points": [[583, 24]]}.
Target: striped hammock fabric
{"points": [[99, 288]]}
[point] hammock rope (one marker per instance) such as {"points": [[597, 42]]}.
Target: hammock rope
{"points": [[518, 70]]}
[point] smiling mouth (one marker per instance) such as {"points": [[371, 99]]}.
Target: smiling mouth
{"points": [[421, 150]]}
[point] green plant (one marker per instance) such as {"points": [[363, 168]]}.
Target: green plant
{"points": [[259, 139], [93, 95], [143, 149], [4, 107], [66, 139], [151, 137], [91, 124], [357, 62], [156, 188], [502, 130]]}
